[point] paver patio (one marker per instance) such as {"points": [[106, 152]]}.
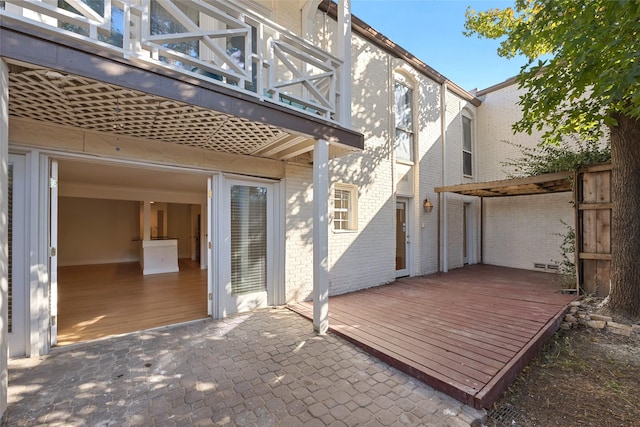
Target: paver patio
{"points": [[264, 368]]}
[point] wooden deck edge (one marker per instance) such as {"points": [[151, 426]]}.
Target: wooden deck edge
{"points": [[430, 380], [501, 381]]}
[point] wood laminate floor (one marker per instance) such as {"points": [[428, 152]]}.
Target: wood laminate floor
{"points": [[96, 301]]}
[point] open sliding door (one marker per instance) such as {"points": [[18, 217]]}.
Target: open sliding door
{"points": [[210, 237], [18, 272], [402, 238]]}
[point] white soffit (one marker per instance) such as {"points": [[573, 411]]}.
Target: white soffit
{"points": [[70, 100]]}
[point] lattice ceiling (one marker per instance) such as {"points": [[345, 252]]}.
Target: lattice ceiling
{"points": [[70, 100]]}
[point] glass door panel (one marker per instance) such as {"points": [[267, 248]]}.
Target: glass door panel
{"points": [[17, 269], [402, 239], [248, 239], [248, 230]]}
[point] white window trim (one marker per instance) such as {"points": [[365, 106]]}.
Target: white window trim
{"points": [[401, 79], [471, 151], [352, 190]]}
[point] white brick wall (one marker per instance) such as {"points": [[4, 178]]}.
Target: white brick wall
{"points": [[299, 233], [496, 115], [523, 230], [286, 13], [367, 257], [519, 231]]}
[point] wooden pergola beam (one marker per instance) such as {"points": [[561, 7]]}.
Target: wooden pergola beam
{"points": [[548, 183]]}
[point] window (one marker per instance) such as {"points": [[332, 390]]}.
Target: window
{"points": [[467, 157], [248, 239], [345, 205], [404, 122]]}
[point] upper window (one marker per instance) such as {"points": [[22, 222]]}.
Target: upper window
{"points": [[345, 203], [404, 122], [467, 153]]}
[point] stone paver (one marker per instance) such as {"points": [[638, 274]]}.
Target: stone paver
{"points": [[264, 368]]}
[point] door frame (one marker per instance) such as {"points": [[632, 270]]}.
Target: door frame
{"points": [[39, 227], [53, 251], [41, 200], [36, 258], [469, 234], [407, 235], [18, 339], [221, 220]]}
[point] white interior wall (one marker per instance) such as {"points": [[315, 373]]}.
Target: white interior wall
{"points": [[179, 227], [96, 231], [99, 231]]}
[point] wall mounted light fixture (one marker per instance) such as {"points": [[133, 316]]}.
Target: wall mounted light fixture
{"points": [[427, 205]]}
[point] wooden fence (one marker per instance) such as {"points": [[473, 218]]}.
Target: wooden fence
{"points": [[593, 229]]}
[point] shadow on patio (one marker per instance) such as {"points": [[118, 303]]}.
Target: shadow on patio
{"points": [[468, 333]]}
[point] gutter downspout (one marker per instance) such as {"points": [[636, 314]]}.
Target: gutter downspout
{"points": [[445, 223]]}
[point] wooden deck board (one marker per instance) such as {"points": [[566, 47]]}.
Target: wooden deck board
{"points": [[468, 332]]}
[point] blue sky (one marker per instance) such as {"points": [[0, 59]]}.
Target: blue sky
{"points": [[432, 31]]}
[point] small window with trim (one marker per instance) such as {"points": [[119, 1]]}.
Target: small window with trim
{"points": [[345, 207], [467, 147]]}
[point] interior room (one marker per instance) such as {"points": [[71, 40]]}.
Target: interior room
{"points": [[129, 249]]}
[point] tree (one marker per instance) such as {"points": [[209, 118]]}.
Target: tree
{"points": [[582, 78]]}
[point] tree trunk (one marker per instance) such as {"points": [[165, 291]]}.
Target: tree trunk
{"points": [[625, 228]]}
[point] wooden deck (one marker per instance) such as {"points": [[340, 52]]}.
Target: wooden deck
{"points": [[467, 333]]}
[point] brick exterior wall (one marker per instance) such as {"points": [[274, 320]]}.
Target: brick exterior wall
{"points": [[298, 233], [519, 231], [366, 257], [523, 230], [496, 115]]}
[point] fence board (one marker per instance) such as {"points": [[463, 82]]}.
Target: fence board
{"points": [[594, 228]]}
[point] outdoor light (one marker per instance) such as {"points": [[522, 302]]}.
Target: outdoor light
{"points": [[427, 205]]}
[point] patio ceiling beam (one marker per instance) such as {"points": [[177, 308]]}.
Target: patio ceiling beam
{"points": [[296, 150]]}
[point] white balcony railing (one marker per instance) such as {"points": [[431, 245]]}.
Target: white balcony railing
{"points": [[212, 40]]}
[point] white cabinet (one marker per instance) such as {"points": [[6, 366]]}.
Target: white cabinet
{"points": [[159, 256]]}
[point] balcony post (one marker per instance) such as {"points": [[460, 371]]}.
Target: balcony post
{"points": [[344, 53], [321, 236]]}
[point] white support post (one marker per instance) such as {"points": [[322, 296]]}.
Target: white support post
{"points": [[146, 220], [344, 53], [321, 236], [4, 240]]}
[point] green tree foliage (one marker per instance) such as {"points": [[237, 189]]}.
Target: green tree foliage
{"points": [[584, 61], [582, 79], [567, 156]]}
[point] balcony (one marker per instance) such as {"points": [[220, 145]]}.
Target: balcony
{"points": [[214, 41]]}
